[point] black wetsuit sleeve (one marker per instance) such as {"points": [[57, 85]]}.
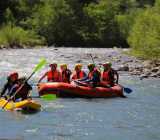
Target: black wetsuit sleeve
{"points": [[4, 89]]}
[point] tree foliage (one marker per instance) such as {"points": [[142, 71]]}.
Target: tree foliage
{"points": [[106, 23]]}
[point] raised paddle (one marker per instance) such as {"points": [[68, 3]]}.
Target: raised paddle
{"points": [[92, 58], [38, 67]]}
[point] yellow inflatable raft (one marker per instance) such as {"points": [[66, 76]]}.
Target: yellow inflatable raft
{"points": [[29, 104]]}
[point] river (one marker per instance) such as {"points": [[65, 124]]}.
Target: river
{"points": [[136, 117]]}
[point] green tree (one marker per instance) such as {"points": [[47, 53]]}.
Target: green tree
{"points": [[145, 35]]}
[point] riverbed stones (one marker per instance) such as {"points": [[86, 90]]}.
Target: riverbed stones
{"points": [[123, 68]]}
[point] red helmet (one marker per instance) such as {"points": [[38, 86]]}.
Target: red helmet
{"points": [[14, 74]]}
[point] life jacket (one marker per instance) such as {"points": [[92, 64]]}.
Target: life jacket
{"points": [[65, 76], [94, 75], [90, 74], [108, 77], [21, 91], [53, 76], [78, 75]]}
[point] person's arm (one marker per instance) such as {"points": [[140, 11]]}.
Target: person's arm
{"points": [[4, 89], [42, 77], [117, 76]]}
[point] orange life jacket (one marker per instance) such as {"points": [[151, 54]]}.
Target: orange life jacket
{"points": [[65, 76], [78, 75], [53, 76]]}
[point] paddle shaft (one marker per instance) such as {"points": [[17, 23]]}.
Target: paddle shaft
{"points": [[92, 58]]}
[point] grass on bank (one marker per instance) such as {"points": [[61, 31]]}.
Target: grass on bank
{"points": [[12, 36]]}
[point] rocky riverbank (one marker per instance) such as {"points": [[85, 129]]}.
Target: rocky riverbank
{"points": [[120, 60], [139, 67]]}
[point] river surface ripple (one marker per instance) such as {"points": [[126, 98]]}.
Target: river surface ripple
{"points": [[134, 118]]}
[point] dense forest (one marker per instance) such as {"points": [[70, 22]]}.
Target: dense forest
{"points": [[84, 23]]}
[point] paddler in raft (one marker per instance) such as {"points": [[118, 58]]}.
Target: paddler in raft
{"points": [[109, 76], [65, 73], [93, 78], [53, 75], [78, 72], [12, 85]]}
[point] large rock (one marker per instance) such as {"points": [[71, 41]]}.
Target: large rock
{"points": [[123, 68], [147, 64], [145, 75], [155, 69]]}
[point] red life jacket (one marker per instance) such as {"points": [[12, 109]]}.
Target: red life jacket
{"points": [[78, 75], [65, 76], [108, 76], [53, 76]]}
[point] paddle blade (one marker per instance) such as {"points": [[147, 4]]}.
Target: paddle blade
{"points": [[127, 90], [40, 65], [49, 97]]}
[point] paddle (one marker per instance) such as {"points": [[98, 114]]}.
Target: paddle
{"points": [[127, 90], [38, 67], [49, 97], [91, 57]]}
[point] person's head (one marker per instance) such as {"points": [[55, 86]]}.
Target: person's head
{"points": [[107, 65], [13, 76], [63, 67], [53, 66], [78, 67], [91, 67]]}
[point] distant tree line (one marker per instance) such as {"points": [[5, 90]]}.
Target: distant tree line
{"points": [[93, 23]]}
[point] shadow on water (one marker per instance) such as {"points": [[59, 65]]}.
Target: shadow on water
{"points": [[29, 111]]}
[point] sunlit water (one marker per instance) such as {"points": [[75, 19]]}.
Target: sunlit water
{"points": [[134, 118]]}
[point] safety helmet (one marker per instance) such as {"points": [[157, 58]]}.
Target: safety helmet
{"points": [[53, 65], [13, 75], [91, 65], [63, 66], [79, 66], [107, 64]]}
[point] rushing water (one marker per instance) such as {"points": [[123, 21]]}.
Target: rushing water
{"points": [[136, 117]]}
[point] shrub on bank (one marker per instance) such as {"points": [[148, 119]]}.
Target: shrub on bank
{"points": [[144, 38], [13, 36]]}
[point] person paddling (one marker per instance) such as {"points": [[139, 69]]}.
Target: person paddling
{"points": [[12, 85], [78, 73], [109, 75], [93, 75], [24, 92], [93, 78], [53, 75], [65, 73], [12, 79]]}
